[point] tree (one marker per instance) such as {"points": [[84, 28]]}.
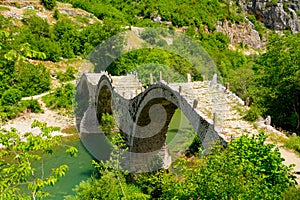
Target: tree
{"points": [[111, 183], [247, 169], [277, 87], [17, 155], [32, 79]]}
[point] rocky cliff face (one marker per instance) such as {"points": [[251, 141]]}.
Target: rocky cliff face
{"points": [[275, 14], [241, 33]]}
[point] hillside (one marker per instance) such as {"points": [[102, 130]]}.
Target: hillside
{"points": [[253, 44]]}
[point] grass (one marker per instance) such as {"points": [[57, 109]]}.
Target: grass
{"points": [[4, 8], [277, 138], [70, 130], [293, 143], [291, 194]]}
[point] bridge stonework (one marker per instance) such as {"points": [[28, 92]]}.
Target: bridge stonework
{"points": [[143, 115]]}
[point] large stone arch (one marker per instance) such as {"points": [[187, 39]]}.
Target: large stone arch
{"points": [[144, 119], [155, 139]]}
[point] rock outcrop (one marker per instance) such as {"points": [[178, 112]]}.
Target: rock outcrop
{"points": [[275, 14], [244, 33]]}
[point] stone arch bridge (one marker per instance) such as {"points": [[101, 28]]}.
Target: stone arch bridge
{"points": [[143, 115]]}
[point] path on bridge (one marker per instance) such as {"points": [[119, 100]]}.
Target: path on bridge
{"points": [[232, 123]]}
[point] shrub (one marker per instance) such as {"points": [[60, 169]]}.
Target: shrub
{"points": [[56, 14], [68, 75], [49, 4], [242, 171], [32, 105], [32, 79], [252, 114], [111, 185], [11, 97], [61, 98]]}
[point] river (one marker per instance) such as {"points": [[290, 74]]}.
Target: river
{"points": [[80, 167]]}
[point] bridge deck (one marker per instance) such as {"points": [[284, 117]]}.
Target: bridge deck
{"points": [[209, 100]]}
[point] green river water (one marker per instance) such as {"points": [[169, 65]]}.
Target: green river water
{"points": [[80, 168]]}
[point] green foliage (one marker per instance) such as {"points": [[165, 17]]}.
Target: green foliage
{"points": [[247, 167], [181, 13], [155, 184], [32, 105], [271, 3], [18, 154], [12, 111], [36, 24], [61, 98], [49, 4], [112, 185], [293, 143], [56, 14], [64, 39], [107, 123], [32, 79], [277, 85], [146, 61], [195, 147], [4, 8], [243, 170], [68, 75], [12, 106], [252, 114], [241, 79], [293, 193], [65, 31], [11, 97]]}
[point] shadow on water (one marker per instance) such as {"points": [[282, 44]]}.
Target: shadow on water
{"points": [[80, 167]]}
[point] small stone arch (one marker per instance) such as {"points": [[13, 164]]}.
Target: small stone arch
{"points": [[82, 98]]}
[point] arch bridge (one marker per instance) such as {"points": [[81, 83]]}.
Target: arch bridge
{"points": [[143, 115]]}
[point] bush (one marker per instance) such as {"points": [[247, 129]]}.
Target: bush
{"points": [[61, 98], [68, 75], [242, 171], [12, 111], [32, 105], [11, 97], [56, 14], [32, 79], [252, 114], [49, 4], [112, 185], [156, 183]]}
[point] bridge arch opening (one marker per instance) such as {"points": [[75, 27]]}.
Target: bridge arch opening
{"points": [[152, 125], [169, 130], [104, 102], [182, 138]]}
